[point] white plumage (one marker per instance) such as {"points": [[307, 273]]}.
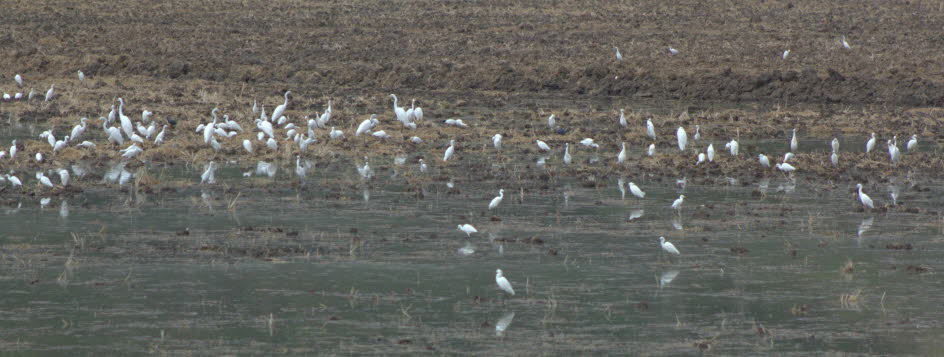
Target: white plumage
{"points": [[467, 229], [636, 191], [450, 150], [503, 282], [497, 200], [682, 138], [668, 247], [542, 145], [864, 198]]}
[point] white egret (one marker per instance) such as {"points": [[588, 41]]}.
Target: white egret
{"points": [[785, 54], [497, 200], [19, 80], [325, 117], [864, 198], [335, 134], [365, 171], [423, 167], [551, 123], [677, 204], [45, 181], [567, 158], [652, 150], [39, 157], [18, 96], [416, 140], [450, 150], [125, 121], [650, 129], [682, 138], [280, 110], [701, 158], [49, 93], [467, 229], [381, 134], [272, 144], [870, 144], [81, 76], [255, 107], [7, 97], [619, 57], [366, 125], [247, 144], [542, 145], [588, 142], [159, 139], [668, 247], [787, 156], [673, 51], [835, 145], [794, 143], [13, 180], [621, 158], [78, 129], [63, 177], [398, 110], [208, 175], [845, 44], [893, 153], [497, 141], [786, 168], [732, 147], [913, 143], [636, 191], [622, 119], [417, 111], [503, 282], [131, 151], [710, 152], [86, 144]]}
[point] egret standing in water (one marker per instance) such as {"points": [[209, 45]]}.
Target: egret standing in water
{"points": [[794, 143], [497, 200], [567, 158], [503, 283], [677, 205], [636, 191], [468, 229], [668, 247], [682, 138], [865, 199]]}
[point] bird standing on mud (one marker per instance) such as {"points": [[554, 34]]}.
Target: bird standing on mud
{"points": [[682, 138]]}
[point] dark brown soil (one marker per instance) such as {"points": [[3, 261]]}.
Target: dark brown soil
{"points": [[730, 51]]}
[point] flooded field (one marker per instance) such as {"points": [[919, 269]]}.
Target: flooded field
{"points": [[779, 266]]}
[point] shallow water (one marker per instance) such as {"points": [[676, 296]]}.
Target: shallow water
{"points": [[321, 269]]}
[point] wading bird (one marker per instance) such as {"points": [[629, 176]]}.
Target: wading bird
{"points": [[668, 247], [503, 282]]}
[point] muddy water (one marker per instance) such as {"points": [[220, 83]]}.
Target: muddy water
{"points": [[299, 269]]}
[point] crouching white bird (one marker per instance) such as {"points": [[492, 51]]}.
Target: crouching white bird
{"points": [[786, 168], [588, 142], [131, 151], [496, 141], [668, 247], [764, 161], [247, 144], [468, 229], [542, 145], [636, 191], [497, 200], [865, 199], [503, 282], [208, 175]]}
